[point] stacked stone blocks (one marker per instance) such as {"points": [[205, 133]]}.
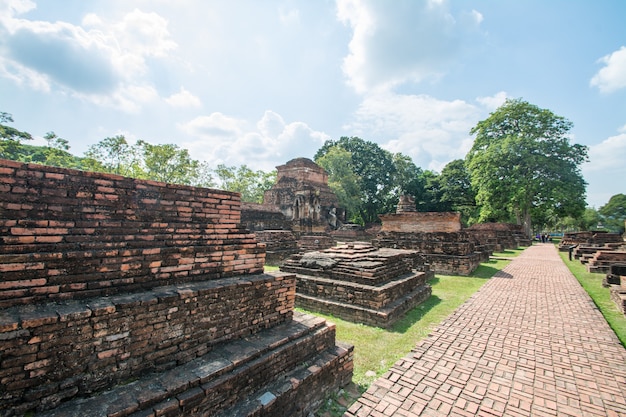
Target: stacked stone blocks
{"points": [[126, 297]]}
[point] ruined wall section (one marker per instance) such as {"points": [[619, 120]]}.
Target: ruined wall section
{"points": [[67, 234], [419, 222]]}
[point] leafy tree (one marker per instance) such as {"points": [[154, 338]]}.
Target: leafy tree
{"points": [[10, 138], [57, 152], [430, 200], [457, 193], [375, 169], [408, 180], [169, 163], [114, 155], [521, 164], [250, 184], [614, 213], [342, 180]]}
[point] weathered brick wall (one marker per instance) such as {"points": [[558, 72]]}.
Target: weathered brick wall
{"points": [[418, 222], [67, 234], [56, 351]]}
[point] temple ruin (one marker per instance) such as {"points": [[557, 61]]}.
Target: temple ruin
{"points": [[360, 283], [436, 236], [123, 297], [300, 203]]}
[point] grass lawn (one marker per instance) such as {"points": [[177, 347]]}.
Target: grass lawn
{"points": [[592, 283], [377, 349]]}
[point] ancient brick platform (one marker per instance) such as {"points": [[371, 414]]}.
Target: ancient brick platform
{"points": [[451, 253], [359, 283], [126, 297]]}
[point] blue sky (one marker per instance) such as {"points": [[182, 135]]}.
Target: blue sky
{"points": [[261, 82]]}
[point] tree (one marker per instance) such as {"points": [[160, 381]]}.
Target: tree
{"points": [[522, 163], [408, 180], [614, 213], [169, 163], [56, 153], [342, 180], [114, 155], [375, 170], [10, 138], [457, 193], [250, 184]]}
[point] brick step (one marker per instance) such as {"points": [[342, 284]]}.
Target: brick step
{"points": [[384, 317], [368, 296], [217, 380], [301, 391]]}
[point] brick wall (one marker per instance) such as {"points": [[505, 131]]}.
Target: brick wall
{"points": [[67, 234], [55, 351], [419, 222]]}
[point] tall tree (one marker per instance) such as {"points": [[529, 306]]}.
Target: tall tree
{"points": [[169, 163], [522, 161], [614, 213], [457, 193], [10, 138], [375, 170], [250, 184], [114, 155], [342, 180], [57, 152], [408, 179]]}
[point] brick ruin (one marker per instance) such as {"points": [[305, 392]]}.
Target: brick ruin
{"points": [[360, 283], [436, 236], [122, 297], [300, 202], [597, 250], [616, 282], [499, 236]]}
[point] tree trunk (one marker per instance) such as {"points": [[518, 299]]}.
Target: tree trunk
{"points": [[526, 223]]}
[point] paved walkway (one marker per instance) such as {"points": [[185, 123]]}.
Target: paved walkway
{"points": [[529, 343]]}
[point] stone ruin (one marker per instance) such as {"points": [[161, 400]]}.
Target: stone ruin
{"points": [[360, 283], [301, 205], [437, 236], [122, 297], [499, 236], [616, 281], [597, 250]]}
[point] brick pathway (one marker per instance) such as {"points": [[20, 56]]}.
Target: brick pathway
{"points": [[529, 343]]}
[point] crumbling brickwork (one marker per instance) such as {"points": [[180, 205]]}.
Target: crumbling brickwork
{"points": [[69, 236], [128, 297]]}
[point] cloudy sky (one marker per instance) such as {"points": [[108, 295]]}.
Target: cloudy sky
{"points": [[261, 82]]}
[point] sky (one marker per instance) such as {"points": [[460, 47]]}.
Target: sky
{"points": [[262, 82]]}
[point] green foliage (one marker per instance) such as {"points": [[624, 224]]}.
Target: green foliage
{"points": [[250, 184], [377, 349], [614, 213], [114, 155], [457, 193], [10, 138], [375, 169], [592, 283], [342, 180], [522, 164]]}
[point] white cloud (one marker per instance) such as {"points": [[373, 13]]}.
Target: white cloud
{"points": [[608, 155], [102, 62], [222, 139], [612, 76], [493, 102], [409, 42], [432, 132], [183, 99]]}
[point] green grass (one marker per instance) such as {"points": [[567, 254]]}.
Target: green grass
{"points": [[377, 349], [592, 283]]}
